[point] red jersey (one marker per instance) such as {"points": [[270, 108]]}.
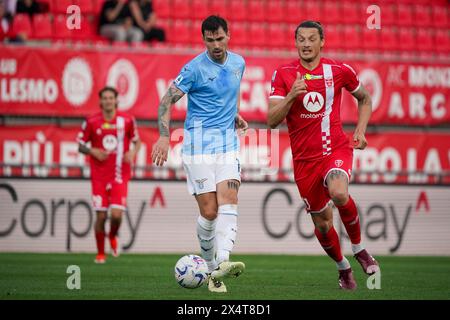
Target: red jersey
{"points": [[314, 121], [114, 137]]}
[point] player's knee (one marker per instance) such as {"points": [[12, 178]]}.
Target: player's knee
{"points": [[209, 214], [323, 225], [116, 214], [339, 197]]}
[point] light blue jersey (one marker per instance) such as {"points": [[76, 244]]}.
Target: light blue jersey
{"points": [[212, 90]]}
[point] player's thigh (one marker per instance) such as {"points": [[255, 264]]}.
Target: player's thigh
{"points": [[227, 192], [207, 204], [337, 173], [310, 186], [118, 198], [200, 174], [228, 178], [100, 198]]}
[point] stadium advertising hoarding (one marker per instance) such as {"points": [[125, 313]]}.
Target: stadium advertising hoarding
{"points": [[391, 157], [63, 82], [47, 215]]}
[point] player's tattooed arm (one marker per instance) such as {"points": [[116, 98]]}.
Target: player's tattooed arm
{"points": [[172, 96], [233, 184], [364, 113]]}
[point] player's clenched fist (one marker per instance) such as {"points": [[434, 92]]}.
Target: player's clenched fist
{"points": [[160, 151], [298, 87]]}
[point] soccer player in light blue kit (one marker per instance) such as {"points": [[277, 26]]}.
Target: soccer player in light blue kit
{"points": [[211, 145]]}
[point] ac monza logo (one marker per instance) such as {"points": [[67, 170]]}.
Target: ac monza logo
{"points": [[109, 142], [313, 101], [338, 163]]}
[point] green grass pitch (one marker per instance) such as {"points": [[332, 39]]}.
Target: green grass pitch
{"points": [[267, 277]]}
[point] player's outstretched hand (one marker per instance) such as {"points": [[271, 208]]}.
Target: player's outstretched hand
{"points": [[99, 154], [129, 156], [359, 141], [298, 87], [241, 124], [160, 151]]}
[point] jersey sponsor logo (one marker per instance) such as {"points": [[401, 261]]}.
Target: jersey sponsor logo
{"points": [[308, 76], [109, 142], [313, 101], [338, 163]]}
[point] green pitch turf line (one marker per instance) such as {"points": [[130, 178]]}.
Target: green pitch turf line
{"points": [[267, 277]]}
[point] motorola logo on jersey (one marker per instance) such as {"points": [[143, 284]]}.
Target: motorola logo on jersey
{"points": [[313, 101], [109, 142]]}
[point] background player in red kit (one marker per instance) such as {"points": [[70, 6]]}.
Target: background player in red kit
{"points": [[110, 133], [307, 92]]}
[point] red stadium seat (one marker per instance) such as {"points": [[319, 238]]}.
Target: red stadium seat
{"points": [[442, 41], [256, 10], [425, 40], [196, 33], [238, 11], [60, 30], [294, 13], [275, 11], [42, 26], [422, 16], [86, 6], [352, 37], [257, 35], [199, 9], [182, 9], [388, 14], [276, 35], [440, 16], [166, 24], [86, 31], [389, 39], [331, 13], [353, 13], [219, 8], [60, 6], [22, 25], [404, 15], [371, 39], [162, 8], [407, 39], [313, 10], [182, 32], [333, 38], [239, 36]]}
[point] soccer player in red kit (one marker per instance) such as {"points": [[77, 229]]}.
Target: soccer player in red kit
{"points": [[110, 133], [307, 92]]}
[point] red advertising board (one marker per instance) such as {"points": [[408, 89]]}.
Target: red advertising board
{"points": [[64, 82], [391, 157]]}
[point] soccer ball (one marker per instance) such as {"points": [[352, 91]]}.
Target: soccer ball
{"points": [[191, 271]]}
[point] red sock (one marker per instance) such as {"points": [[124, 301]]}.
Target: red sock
{"points": [[114, 229], [100, 239], [350, 218], [330, 243]]}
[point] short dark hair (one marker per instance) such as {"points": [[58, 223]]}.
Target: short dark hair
{"points": [[108, 88], [213, 23], [310, 24]]}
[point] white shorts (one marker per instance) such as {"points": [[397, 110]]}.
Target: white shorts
{"points": [[204, 172]]}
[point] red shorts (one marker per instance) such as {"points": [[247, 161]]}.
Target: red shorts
{"points": [[311, 176], [109, 194]]}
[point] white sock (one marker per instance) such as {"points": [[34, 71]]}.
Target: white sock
{"points": [[343, 264], [226, 230], [206, 237], [357, 248]]}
